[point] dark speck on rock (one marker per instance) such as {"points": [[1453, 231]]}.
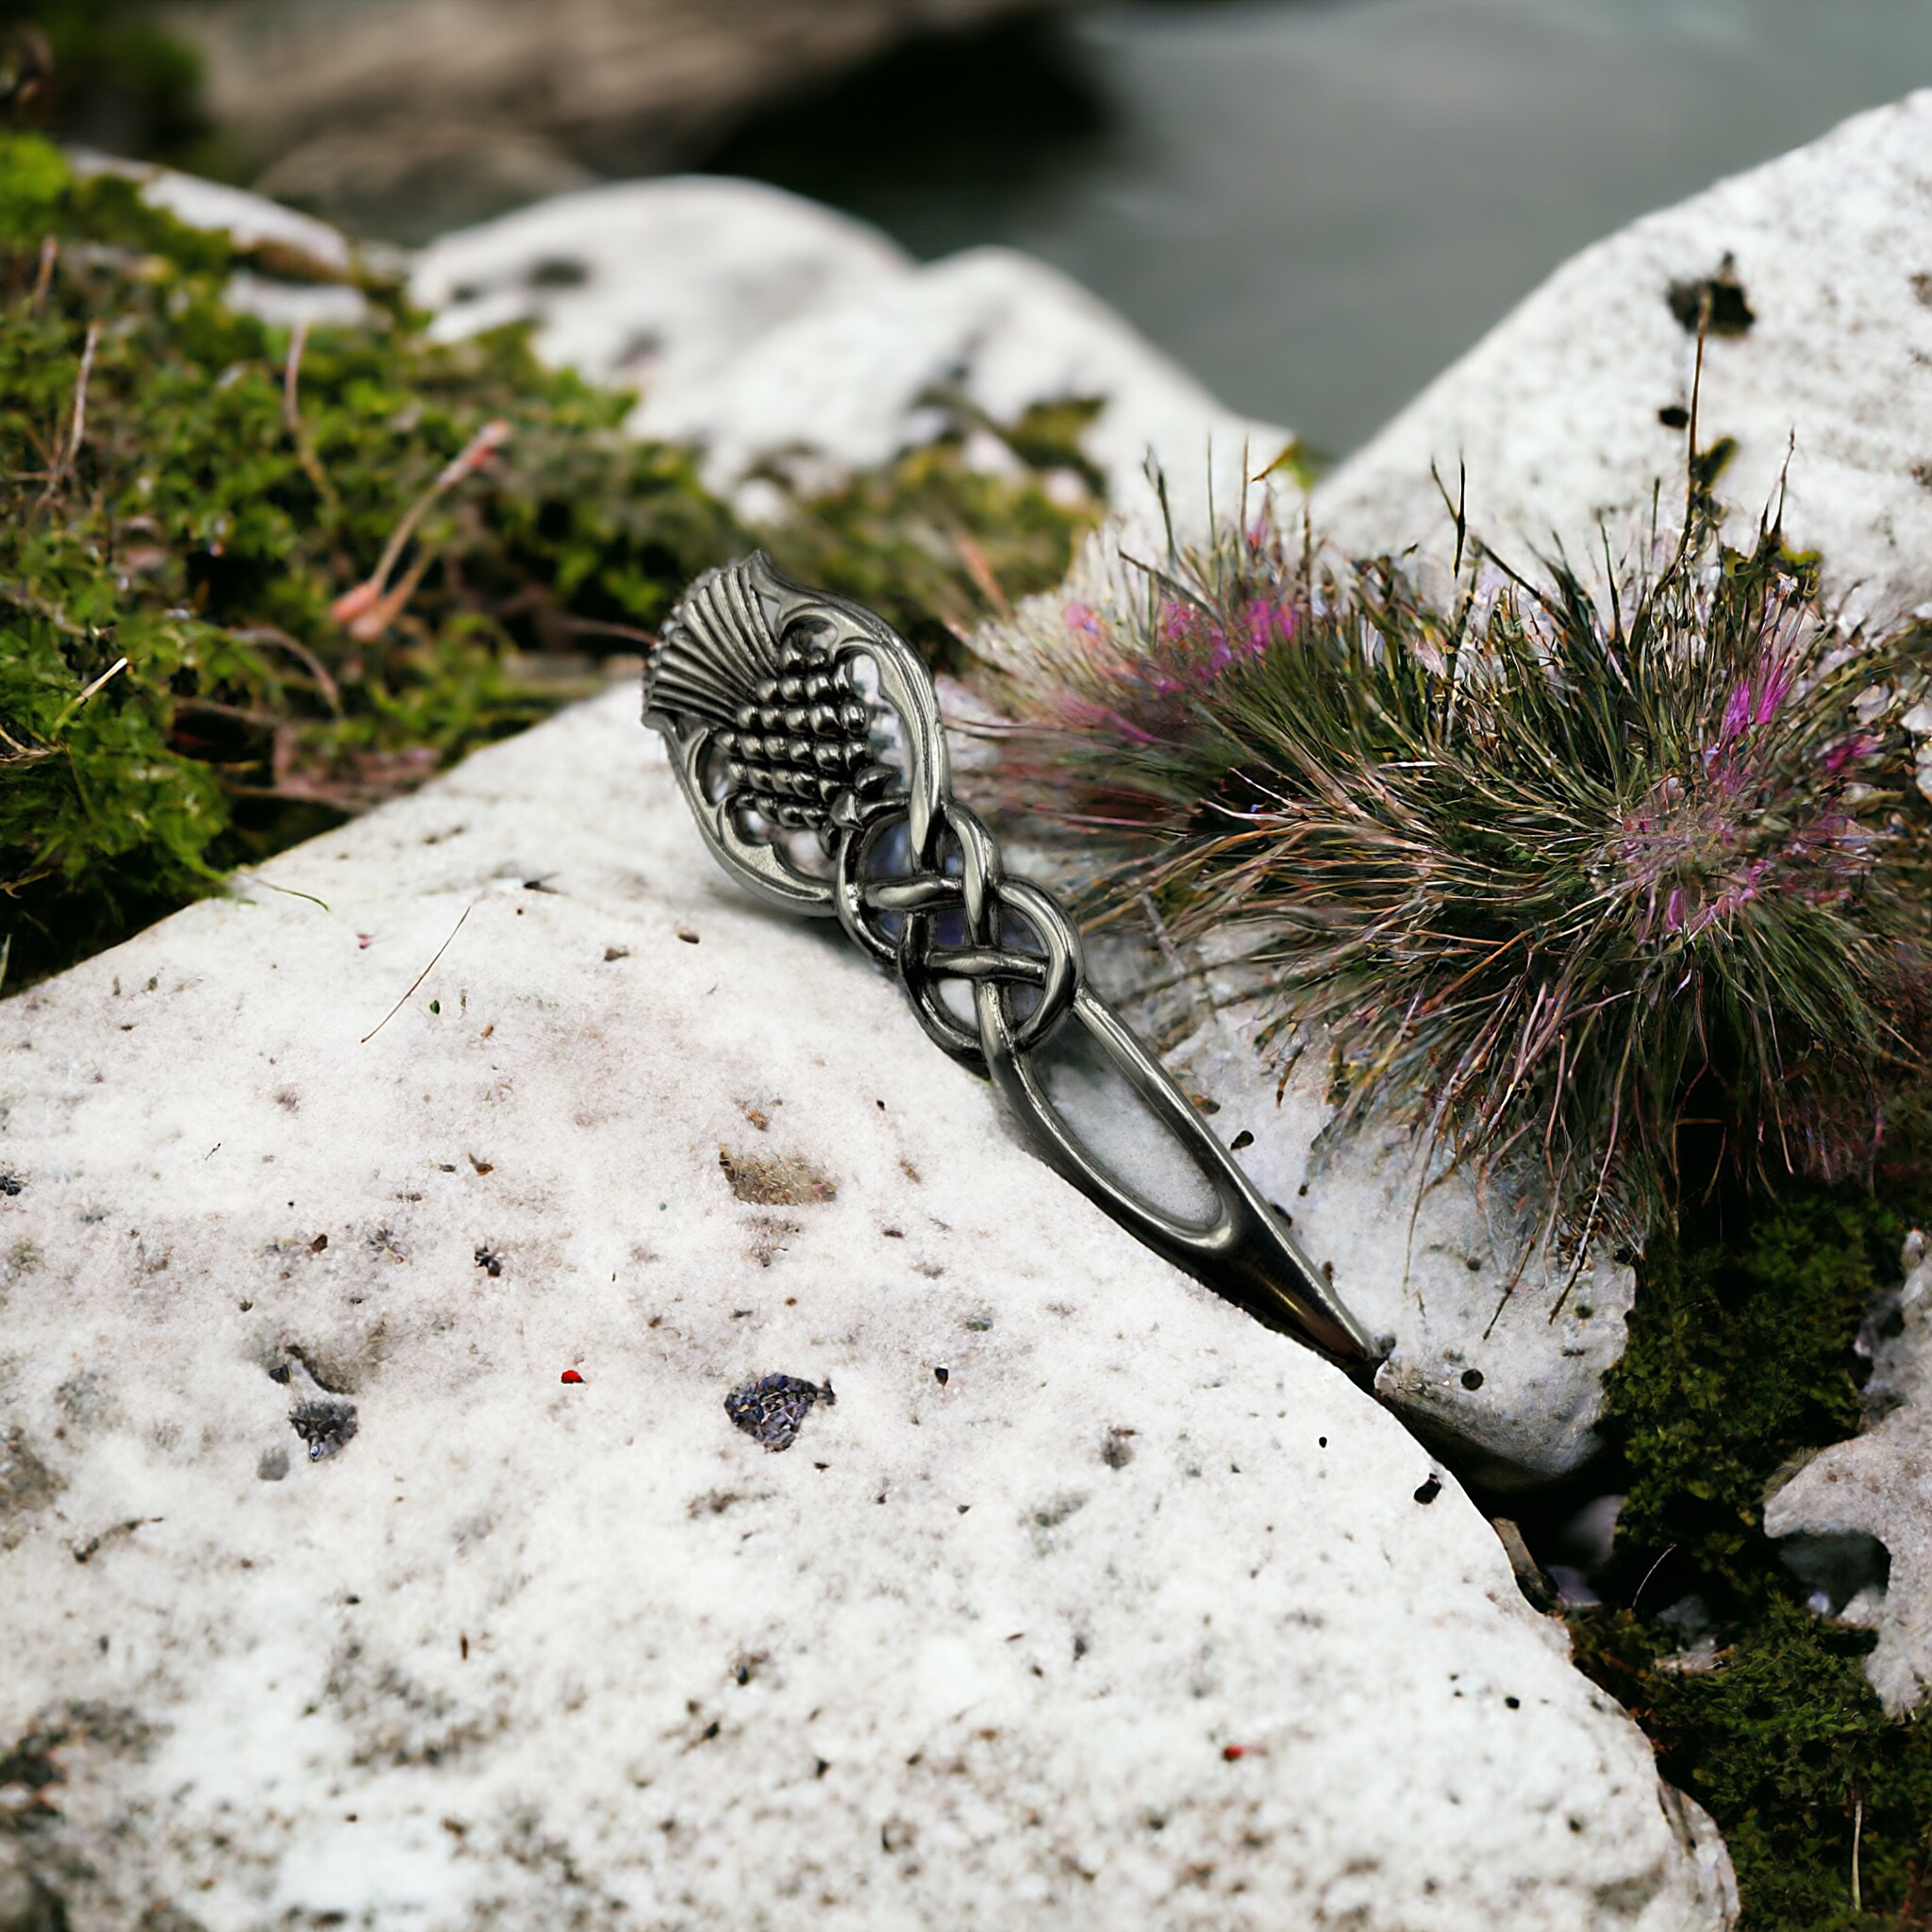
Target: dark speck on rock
{"points": [[558, 272], [326, 1424], [1429, 1490], [771, 1409], [490, 1261], [1471, 1378], [1718, 297], [10, 1184], [1244, 1139]]}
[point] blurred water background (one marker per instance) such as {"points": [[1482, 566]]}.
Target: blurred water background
{"points": [[1317, 205], [1314, 204]]}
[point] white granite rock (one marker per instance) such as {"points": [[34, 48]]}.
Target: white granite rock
{"points": [[302, 270], [658, 282], [1880, 1484], [1135, 1616], [1498, 1356], [1555, 412], [773, 331], [253, 222]]}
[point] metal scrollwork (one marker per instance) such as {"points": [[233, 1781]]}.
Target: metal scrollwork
{"points": [[778, 746]]}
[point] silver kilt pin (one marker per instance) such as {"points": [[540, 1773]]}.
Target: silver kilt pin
{"points": [[781, 751]]}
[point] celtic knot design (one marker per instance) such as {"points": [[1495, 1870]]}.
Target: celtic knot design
{"points": [[776, 742], [984, 903]]}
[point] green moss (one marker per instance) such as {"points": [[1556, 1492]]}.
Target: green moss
{"points": [[200, 522], [1787, 1748], [1739, 1356], [210, 519], [1741, 1360]]}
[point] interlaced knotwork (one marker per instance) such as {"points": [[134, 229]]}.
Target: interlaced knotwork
{"points": [[936, 924]]}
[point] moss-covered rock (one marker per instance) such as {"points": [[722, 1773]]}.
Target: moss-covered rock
{"points": [[1741, 1360], [252, 580]]}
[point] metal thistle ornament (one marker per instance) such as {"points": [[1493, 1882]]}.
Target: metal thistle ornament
{"points": [[779, 747]]}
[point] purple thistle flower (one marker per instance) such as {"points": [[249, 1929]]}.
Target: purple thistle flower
{"points": [[1270, 620]]}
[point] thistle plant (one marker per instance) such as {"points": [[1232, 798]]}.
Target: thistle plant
{"points": [[1608, 891]]}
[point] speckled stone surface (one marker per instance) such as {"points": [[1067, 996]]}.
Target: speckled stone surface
{"points": [[1132, 1617], [1493, 1344]]}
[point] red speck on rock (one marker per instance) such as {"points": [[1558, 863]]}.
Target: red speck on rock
{"points": [[571, 1375]]}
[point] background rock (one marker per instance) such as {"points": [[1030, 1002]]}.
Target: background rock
{"points": [[399, 116], [658, 283], [1136, 1616], [1558, 411], [281, 236], [773, 332], [295, 269]]}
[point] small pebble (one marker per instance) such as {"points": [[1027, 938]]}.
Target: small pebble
{"points": [[770, 1409], [326, 1425]]}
